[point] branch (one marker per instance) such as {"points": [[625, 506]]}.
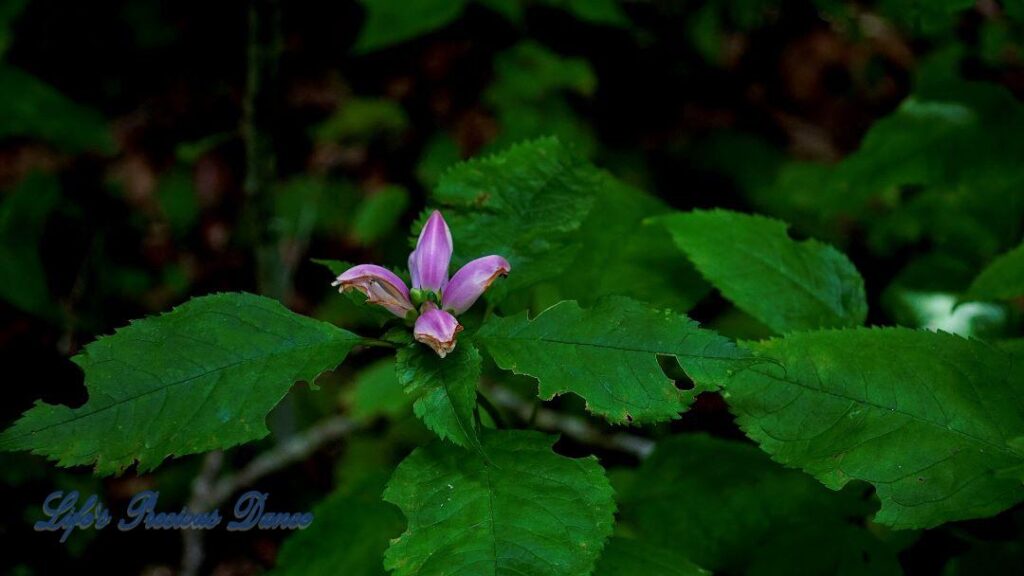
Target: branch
{"points": [[577, 428], [209, 493]]}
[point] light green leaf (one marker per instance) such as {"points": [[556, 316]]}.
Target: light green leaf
{"points": [[1003, 279], [787, 285], [379, 213], [377, 392], [393, 21], [444, 388], [348, 536], [608, 355], [200, 377], [361, 120], [522, 204], [629, 557], [925, 417], [526, 510], [726, 507], [31, 108]]}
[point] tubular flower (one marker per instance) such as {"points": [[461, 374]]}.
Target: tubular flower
{"points": [[434, 299]]}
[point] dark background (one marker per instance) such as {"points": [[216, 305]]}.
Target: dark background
{"points": [[140, 130]]}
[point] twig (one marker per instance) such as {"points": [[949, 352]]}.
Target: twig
{"points": [[295, 449], [208, 492], [572, 426], [192, 540]]}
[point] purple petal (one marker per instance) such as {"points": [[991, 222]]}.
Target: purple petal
{"points": [[437, 329], [471, 281], [380, 285], [428, 263]]}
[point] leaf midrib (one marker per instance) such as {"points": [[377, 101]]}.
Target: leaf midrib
{"points": [[912, 416], [77, 416]]}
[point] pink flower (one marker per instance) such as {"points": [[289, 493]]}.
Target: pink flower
{"points": [[437, 297]]}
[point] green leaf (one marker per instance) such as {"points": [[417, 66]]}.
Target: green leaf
{"points": [[23, 216], [444, 388], [525, 511], [629, 557], [379, 213], [608, 355], [925, 417], [787, 285], [1003, 279], [361, 120], [725, 506], [350, 531], [200, 377], [34, 109], [522, 204], [621, 256], [393, 21], [377, 392], [9, 12]]}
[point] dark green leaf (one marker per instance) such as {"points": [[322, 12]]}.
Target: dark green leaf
{"points": [[786, 284], [524, 510], [1003, 279], [925, 417], [201, 377], [608, 355], [522, 204], [31, 108], [725, 506], [629, 557], [392, 21], [444, 388], [350, 531]]}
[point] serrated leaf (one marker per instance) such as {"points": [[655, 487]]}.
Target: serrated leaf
{"points": [[526, 510], [32, 108], [631, 557], [787, 285], [522, 204], [925, 417], [444, 388], [726, 507], [200, 377], [393, 21], [350, 531], [1003, 279], [621, 256], [608, 355]]}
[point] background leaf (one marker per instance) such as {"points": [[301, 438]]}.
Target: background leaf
{"points": [[631, 557], [725, 506], [925, 417], [525, 511], [392, 21], [350, 531], [1003, 279], [787, 285], [31, 108], [200, 377]]}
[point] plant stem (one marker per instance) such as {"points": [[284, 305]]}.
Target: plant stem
{"points": [[491, 409]]}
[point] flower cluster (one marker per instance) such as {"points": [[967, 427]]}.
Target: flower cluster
{"points": [[434, 300]]}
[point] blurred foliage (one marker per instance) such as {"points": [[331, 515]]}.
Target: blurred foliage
{"points": [[34, 109]]}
